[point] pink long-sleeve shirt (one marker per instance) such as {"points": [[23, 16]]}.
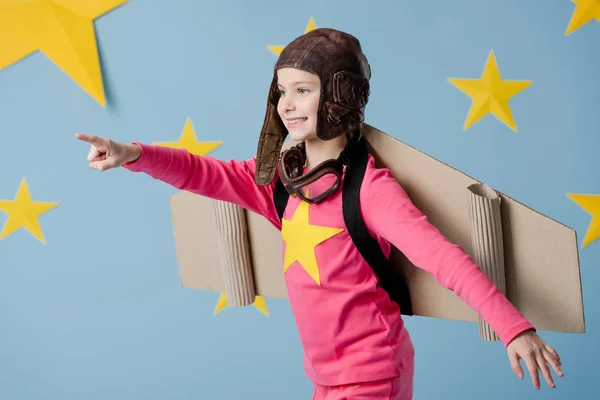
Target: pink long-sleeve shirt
{"points": [[349, 329]]}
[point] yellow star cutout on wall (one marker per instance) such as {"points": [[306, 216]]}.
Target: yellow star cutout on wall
{"points": [[301, 238], [259, 303], [61, 29], [188, 141], [585, 11], [490, 94], [310, 27], [23, 213], [591, 204]]}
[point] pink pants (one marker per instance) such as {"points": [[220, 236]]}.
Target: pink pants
{"points": [[398, 388]]}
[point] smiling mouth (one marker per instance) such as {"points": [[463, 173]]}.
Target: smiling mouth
{"points": [[295, 122]]}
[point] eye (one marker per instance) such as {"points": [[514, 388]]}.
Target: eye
{"points": [[303, 91]]}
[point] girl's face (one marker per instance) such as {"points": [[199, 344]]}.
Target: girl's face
{"points": [[298, 102]]}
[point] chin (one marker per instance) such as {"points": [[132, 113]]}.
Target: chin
{"points": [[301, 136]]}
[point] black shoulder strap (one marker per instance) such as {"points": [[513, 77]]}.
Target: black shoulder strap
{"points": [[392, 282], [280, 197]]}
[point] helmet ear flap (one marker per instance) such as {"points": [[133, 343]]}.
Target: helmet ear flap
{"points": [[270, 142], [350, 90], [274, 95], [350, 93], [335, 112]]}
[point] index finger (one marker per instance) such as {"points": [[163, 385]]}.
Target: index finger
{"points": [[91, 139]]}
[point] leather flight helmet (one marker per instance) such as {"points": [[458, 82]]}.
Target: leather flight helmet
{"points": [[337, 59]]}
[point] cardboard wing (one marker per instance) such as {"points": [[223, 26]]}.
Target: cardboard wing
{"points": [[531, 258]]}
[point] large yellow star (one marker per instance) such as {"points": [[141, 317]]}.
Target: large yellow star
{"points": [[584, 12], [259, 303], [61, 29], [490, 94], [591, 204], [23, 213], [301, 238], [188, 141], [310, 27]]}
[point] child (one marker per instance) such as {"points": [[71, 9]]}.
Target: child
{"points": [[352, 334]]}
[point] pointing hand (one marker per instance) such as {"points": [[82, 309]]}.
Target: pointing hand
{"points": [[106, 154]]}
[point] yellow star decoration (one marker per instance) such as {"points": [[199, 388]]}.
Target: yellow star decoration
{"points": [[61, 29], [310, 27], [591, 204], [490, 94], [188, 141], [585, 11], [259, 303], [301, 238], [23, 213]]}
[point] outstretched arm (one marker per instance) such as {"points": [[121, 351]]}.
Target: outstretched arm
{"points": [[390, 212], [231, 181]]}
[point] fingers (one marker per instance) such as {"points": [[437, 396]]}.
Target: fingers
{"points": [[515, 364], [537, 355], [554, 362], [554, 353], [99, 145], [100, 165], [532, 366], [541, 361], [95, 154], [91, 139], [103, 165]]}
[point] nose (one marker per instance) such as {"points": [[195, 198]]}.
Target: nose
{"points": [[288, 103]]}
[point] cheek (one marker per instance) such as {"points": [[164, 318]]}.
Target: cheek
{"points": [[314, 107]]}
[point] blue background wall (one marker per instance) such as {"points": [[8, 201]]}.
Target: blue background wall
{"points": [[98, 311]]}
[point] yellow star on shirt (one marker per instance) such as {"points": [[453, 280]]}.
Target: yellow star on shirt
{"points": [[259, 303], [301, 238], [188, 141], [310, 27], [591, 204], [490, 94], [23, 213], [61, 29], [585, 11]]}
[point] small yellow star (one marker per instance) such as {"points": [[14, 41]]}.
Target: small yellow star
{"points": [[188, 141], [23, 213], [490, 94], [259, 303], [585, 11], [301, 238], [310, 27], [63, 30], [591, 204]]}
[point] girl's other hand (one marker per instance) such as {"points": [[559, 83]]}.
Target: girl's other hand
{"points": [[529, 347]]}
